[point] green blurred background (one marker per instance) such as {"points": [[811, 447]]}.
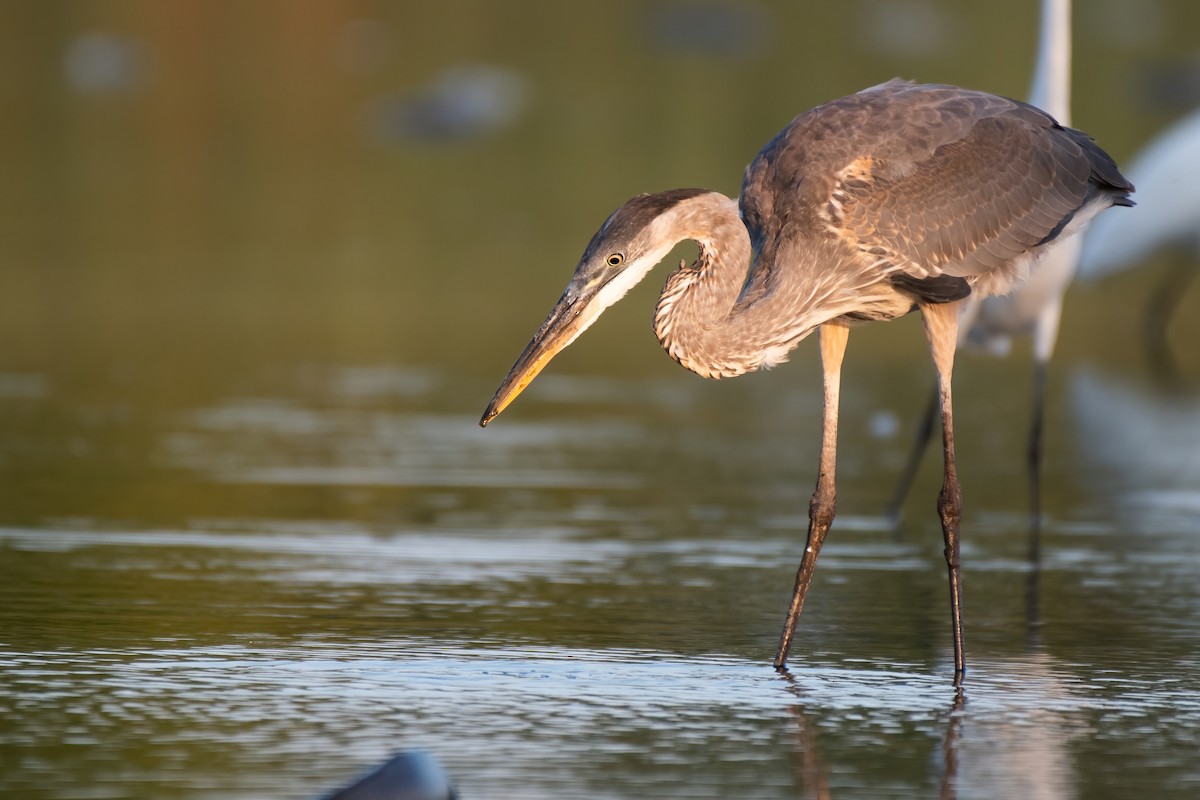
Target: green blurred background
{"points": [[219, 189]]}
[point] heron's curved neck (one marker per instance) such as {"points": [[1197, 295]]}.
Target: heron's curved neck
{"points": [[715, 317]]}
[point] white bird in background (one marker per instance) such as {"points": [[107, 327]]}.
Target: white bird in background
{"points": [[1036, 305], [1167, 174]]}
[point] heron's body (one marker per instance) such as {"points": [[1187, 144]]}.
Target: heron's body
{"points": [[899, 197]]}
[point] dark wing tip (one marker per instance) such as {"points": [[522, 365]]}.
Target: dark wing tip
{"points": [[1104, 170]]}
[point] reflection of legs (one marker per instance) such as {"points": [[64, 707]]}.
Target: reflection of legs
{"points": [[924, 434], [950, 748], [813, 772], [941, 328], [823, 505]]}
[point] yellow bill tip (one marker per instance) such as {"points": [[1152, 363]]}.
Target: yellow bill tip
{"points": [[513, 385], [558, 331]]}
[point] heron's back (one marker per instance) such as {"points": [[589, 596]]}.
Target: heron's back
{"points": [[924, 180]]}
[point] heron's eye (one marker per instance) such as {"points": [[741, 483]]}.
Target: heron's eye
{"points": [[615, 259]]}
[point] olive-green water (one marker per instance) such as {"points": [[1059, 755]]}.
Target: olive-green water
{"points": [[256, 289]]}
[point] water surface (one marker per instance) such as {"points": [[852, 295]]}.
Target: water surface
{"points": [[264, 266]]}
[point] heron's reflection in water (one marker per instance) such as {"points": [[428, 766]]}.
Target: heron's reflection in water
{"points": [[1009, 729], [812, 769]]}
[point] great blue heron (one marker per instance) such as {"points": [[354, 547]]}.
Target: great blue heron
{"points": [[899, 197], [1035, 306]]}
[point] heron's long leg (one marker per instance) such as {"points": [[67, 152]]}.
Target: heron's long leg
{"points": [[823, 504], [941, 327], [967, 315]]}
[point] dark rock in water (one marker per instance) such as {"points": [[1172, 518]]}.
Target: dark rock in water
{"points": [[411, 775]]}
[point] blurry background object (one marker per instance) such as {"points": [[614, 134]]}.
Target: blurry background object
{"points": [[365, 46], [1166, 173], [1148, 466], [708, 28], [1130, 27], [462, 102], [912, 29], [97, 63]]}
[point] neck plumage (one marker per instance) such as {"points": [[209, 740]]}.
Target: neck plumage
{"points": [[716, 317]]}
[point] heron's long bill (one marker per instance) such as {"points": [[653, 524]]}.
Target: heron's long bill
{"points": [[569, 318]]}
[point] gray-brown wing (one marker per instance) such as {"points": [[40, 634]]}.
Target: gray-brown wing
{"points": [[788, 191], [920, 180], [977, 202]]}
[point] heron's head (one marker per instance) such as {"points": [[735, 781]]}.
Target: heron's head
{"points": [[628, 245]]}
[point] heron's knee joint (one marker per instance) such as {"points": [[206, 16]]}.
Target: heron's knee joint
{"points": [[951, 518], [821, 510], [950, 507]]}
